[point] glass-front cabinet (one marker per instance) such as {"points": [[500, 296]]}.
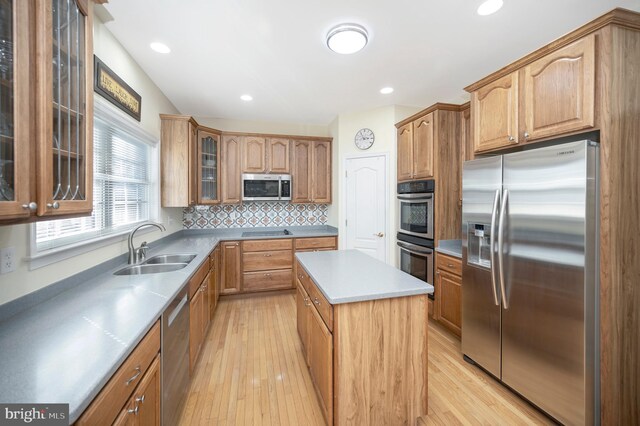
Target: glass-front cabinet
{"points": [[46, 78], [208, 167]]}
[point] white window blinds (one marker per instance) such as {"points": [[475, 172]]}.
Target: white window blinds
{"points": [[121, 190]]}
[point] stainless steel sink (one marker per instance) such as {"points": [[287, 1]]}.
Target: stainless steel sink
{"points": [[170, 258], [150, 268]]}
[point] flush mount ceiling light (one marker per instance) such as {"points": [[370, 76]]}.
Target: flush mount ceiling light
{"points": [[489, 7], [246, 98], [386, 90], [160, 47], [347, 38]]}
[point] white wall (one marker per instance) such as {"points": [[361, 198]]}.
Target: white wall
{"points": [[22, 281], [343, 129]]}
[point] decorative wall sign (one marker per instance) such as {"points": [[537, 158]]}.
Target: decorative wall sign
{"points": [[109, 85]]}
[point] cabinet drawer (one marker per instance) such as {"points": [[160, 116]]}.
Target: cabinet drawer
{"points": [[321, 304], [272, 280], [314, 243], [107, 405], [267, 245], [198, 277], [267, 260], [449, 264]]}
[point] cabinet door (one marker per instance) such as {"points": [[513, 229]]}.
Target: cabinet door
{"points": [[126, 416], [466, 142], [193, 164], [212, 280], [278, 156], [559, 91], [254, 155], [494, 109], [231, 273], [206, 306], [405, 152], [423, 146], [450, 301], [230, 179], [195, 328], [147, 397], [301, 172], [64, 106], [208, 168], [321, 365], [321, 172], [15, 143], [303, 309]]}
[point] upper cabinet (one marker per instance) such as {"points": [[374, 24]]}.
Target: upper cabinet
{"points": [[423, 147], [46, 169], [208, 167], [265, 155], [551, 96], [559, 91], [405, 152], [231, 153], [179, 159], [311, 172], [278, 155]]}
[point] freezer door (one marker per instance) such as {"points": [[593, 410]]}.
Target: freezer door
{"points": [[481, 181], [549, 239]]}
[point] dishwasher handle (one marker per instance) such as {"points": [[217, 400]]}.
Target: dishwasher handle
{"points": [[174, 314]]}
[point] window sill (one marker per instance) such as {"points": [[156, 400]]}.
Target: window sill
{"points": [[49, 257]]}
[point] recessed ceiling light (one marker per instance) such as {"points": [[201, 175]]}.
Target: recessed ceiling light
{"points": [[347, 38], [489, 7], [160, 47], [386, 90], [246, 98]]}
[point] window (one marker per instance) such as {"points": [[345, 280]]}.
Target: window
{"points": [[124, 164]]}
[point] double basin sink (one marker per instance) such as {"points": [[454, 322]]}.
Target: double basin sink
{"points": [[158, 264]]}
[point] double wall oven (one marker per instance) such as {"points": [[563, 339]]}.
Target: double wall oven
{"points": [[415, 230]]}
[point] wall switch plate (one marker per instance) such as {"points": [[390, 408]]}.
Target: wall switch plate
{"points": [[7, 260]]}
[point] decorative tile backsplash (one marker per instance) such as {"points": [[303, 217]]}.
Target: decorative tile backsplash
{"points": [[254, 214]]}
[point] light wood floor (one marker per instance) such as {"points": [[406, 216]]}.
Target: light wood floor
{"points": [[251, 372]]}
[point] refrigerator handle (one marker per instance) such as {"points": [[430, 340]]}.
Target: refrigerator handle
{"points": [[503, 212], [492, 239]]}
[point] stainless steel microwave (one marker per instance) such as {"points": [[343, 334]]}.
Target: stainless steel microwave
{"points": [[266, 187]]}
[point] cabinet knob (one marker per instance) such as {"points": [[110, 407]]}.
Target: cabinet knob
{"points": [[267, 275], [316, 301], [511, 138], [140, 399], [133, 411], [526, 135], [450, 265], [267, 255], [31, 206], [55, 205]]}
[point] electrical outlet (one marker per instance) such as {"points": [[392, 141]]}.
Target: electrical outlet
{"points": [[7, 260]]}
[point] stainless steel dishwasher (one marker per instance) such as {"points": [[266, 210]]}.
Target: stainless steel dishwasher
{"points": [[175, 356]]}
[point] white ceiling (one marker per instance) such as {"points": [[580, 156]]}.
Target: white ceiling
{"points": [[275, 50]]}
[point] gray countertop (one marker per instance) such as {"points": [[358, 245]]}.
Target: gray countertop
{"points": [[66, 348], [450, 247], [345, 276]]}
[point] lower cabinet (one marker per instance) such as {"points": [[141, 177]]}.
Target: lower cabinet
{"points": [[267, 264], [214, 278], [143, 407], [321, 362], [303, 314], [132, 395], [448, 293], [230, 276], [199, 317]]}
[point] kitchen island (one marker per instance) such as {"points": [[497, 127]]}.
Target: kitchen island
{"points": [[363, 326]]}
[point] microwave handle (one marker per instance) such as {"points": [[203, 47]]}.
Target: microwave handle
{"points": [[279, 187], [415, 249], [425, 196]]}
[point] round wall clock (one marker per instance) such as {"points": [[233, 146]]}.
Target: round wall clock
{"points": [[364, 138]]}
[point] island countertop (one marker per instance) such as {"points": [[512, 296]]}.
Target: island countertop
{"points": [[345, 276]]}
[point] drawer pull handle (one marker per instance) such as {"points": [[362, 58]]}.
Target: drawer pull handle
{"points": [[140, 399], [450, 265], [316, 301], [267, 255], [133, 411], [135, 376], [267, 275]]}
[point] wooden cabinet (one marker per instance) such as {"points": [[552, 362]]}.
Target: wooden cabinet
{"points": [[254, 155], [311, 172], [301, 172], [448, 292], [278, 155], [423, 147], [405, 152], [137, 376], [230, 276], [551, 96], [178, 161], [267, 264], [230, 176], [495, 114], [316, 243], [46, 124], [303, 315], [214, 277], [199, 315], [320, 354], [466, 140], [559, 91], [143, 408], [208, 166]]}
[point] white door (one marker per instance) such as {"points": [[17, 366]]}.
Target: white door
{"points": [[366, 205]]}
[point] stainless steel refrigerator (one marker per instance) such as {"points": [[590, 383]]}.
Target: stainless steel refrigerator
{"points": [[530, 275]]}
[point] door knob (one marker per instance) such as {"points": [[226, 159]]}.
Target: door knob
{"points": [[379, 234]]}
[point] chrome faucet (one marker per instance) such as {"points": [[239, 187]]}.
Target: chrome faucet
{"points": [[137, 255]]}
